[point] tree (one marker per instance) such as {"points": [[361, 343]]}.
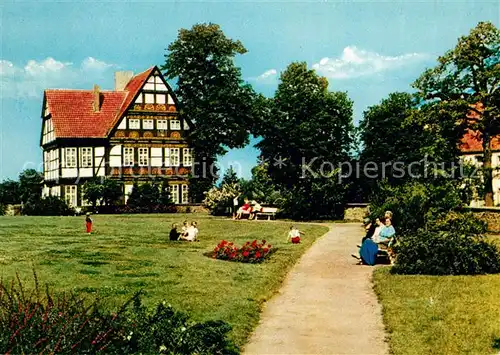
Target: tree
{"points": [[230, 177], [9, 192], [212, 96], [466, 83], [92, 192], [307, 135], [30, 185]]}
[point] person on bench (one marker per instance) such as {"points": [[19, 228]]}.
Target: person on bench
{"points": [[256, 208], [245, 209], [386, 233]]}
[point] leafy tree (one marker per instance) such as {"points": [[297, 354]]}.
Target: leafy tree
{"points": [[9, 192], [230, 177], [149, 197], [112, 192], [261, 187], [92, 192], [466, 83], [212, 96], [30, 185], [307, 134]]}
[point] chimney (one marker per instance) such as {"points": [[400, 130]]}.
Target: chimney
{"points": [[96, 99], [121, 79]]}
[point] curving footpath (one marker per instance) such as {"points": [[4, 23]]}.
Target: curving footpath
{"points": [[326, 304]]}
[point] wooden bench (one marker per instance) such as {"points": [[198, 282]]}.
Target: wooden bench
{"points": [[267, 211]]}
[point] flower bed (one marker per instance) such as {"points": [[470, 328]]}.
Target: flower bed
{"points": [[251, 252]]}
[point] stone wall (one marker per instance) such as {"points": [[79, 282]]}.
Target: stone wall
{"points": [[490, 215], [356, 212]]}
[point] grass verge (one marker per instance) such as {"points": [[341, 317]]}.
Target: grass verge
{"points": [[132, 252], [440, 314]]}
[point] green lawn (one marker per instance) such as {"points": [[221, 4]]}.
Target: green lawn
{"points": [[132, 252], [440, 314]]}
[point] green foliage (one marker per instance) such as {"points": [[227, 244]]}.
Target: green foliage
{"points": [[30, 185], [447, 252], [61, 324], [47, 206], [261, 187], [212, 96], [306, 134], [9, 193], [466, 76], [416, 204], [103, 191], [230, 177], [150, 197], [219, 199]]}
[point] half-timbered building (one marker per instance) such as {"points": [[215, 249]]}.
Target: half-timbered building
{"points": [[132, 133]]}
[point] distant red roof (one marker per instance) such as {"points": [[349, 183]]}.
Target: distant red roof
{"points": [[72, 110], [472, 141]]}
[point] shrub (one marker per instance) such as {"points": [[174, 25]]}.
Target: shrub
{"points": [[30, 323], [47, 206], [251, 252], [218, 199], [416, 204], [452, 245]]}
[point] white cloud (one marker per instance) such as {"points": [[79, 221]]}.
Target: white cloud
{"points": [[90, 63], [355, 62], [35, 76], [268, 76]]}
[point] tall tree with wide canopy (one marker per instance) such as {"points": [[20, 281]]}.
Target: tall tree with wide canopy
{"points": [[466, 80], [212, 95], [306, 135]]}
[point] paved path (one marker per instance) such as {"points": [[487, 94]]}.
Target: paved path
{"points": [[326, 304]]}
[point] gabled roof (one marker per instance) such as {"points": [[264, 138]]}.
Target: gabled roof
{"points": [[72, 110]]}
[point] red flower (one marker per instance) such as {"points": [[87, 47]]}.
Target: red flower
{"points": [[265, 250], [263, 241], [246, 254], [269, 246], [257, 255], [254, 243]]}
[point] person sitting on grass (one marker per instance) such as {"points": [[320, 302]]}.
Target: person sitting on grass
{"points": [[185, 226], [191, 233], [174, 233], [245, 209], [294, 235]]}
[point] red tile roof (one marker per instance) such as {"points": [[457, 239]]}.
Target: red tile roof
{"points": [[472, 141], [72, 110]]}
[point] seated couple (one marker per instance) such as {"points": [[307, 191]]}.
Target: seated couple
{"points": [[380, 235], [188, 232], [249, 208]]}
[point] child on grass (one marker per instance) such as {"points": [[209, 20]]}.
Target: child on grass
{"points": [[174, 233], [88, 223], [294, 235]]}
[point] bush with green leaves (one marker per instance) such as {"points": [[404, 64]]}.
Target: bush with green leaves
{"points": [[415, 204], [33, 322], [219, 199], [47, 206]]}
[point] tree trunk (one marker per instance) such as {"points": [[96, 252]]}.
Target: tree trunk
{"points": [[487, 171]]}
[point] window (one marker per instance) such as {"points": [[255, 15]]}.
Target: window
{"points": [[174, 157], [70, 157], [143, 156], [187, 157], [162, 124], [128, 156], [185, 193], [147, 124], [174, 193], [85, 157], [175, 124], [70, 195], [133, 123]]}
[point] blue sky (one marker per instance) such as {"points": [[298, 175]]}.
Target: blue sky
{"points": [[368, 49]]}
